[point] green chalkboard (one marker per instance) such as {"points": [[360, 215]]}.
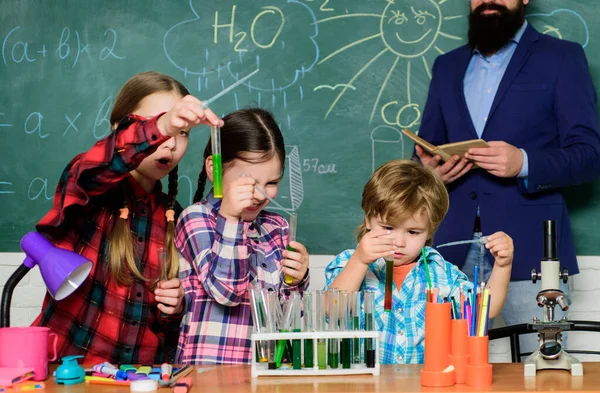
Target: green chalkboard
{"points": [[342, 77]]}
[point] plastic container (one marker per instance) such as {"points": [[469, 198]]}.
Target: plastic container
{"points": [[437, 371]]}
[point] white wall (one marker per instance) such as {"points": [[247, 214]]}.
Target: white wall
{"points": [[27, 299]]}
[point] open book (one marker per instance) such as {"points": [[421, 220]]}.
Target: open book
{"points": [[449, 149]]}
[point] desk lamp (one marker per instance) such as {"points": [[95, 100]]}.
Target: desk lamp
{"points": [[63, 271]]}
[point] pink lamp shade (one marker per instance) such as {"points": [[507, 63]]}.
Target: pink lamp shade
{"points": [[63, 271]]}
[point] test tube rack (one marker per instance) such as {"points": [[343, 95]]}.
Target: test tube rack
{"points": [[261, 369]]}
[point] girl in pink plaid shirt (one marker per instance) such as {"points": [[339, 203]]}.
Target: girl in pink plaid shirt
{"points": [[231, 244]]}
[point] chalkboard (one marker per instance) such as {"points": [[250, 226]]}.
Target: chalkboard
{"points": [[342, 77]]}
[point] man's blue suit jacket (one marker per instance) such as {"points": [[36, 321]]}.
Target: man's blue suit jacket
{"points": [[545, 104]]}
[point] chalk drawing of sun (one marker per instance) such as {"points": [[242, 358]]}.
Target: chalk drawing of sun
{"points": [[411, 33]]}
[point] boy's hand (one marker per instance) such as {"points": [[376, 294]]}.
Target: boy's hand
{"points": [[169, 295], [237, 196], [186, 114], [374, 245], [295, 263], [501, 247]]}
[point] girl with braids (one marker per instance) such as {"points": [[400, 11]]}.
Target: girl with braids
{"points": [[231, 244], [109, 207]]}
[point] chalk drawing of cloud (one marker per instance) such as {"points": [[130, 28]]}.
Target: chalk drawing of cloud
{"points": [[234, 38]]}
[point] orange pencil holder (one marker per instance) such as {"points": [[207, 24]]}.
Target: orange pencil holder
{"points": [[479, 370], [435, 372], [459, 355]]}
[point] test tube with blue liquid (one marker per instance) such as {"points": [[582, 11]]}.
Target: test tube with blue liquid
{"points": [[215, 139]]}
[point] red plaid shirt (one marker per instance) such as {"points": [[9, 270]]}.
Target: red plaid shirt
{"points": [[102, 320]]}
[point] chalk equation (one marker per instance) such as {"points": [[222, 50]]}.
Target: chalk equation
{"points": [[33, 123], [22, 46]]}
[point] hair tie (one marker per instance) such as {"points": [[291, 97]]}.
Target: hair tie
{"points": [[170, 214], [124, 213]]}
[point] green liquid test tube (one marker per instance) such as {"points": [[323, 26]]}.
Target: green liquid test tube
{"points": [[344, 317], [296, 327], [355, 306], [292, 238], [215, 139], [334, 344], [308, 327], [321, 304]]}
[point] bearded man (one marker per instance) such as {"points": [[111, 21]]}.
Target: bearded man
{"points": [[532, 98]]}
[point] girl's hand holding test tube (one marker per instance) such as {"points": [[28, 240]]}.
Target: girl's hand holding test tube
{"points": [[170, 296], [185, 114], [295, 264]]}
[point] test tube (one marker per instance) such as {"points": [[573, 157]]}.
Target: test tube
{"points": [[292, 238], [215, 139], [346, 351], [321, 299], [389, 279], [161, 270], [308, 327], [369, 326], [334, 344], [271, 302], [284, 327], [259, 321], [296, 326], [355, 306]]}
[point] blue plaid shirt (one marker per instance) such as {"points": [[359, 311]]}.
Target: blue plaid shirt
{"points": [[403, 329]]}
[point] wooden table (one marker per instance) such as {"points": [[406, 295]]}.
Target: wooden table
{"points": [[393, 378]]}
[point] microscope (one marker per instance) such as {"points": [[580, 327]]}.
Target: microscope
{"points": [[550, 354]]}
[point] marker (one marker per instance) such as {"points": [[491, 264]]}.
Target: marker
{"points": [[292, 238], [108, 381], [28, 386], [127, 368], [223, 92], [474, 301], [109, 369], [165, 371], [183, 385], [144, 369], [215, 140], [94, 378]]}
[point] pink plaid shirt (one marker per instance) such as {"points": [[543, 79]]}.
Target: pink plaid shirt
{"points": [[220, 261]]}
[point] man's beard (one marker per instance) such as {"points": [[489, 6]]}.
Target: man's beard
{"points": [[489, 33]]}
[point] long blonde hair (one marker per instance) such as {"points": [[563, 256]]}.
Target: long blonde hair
{"points": [[121, 255], [399, 190]]}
